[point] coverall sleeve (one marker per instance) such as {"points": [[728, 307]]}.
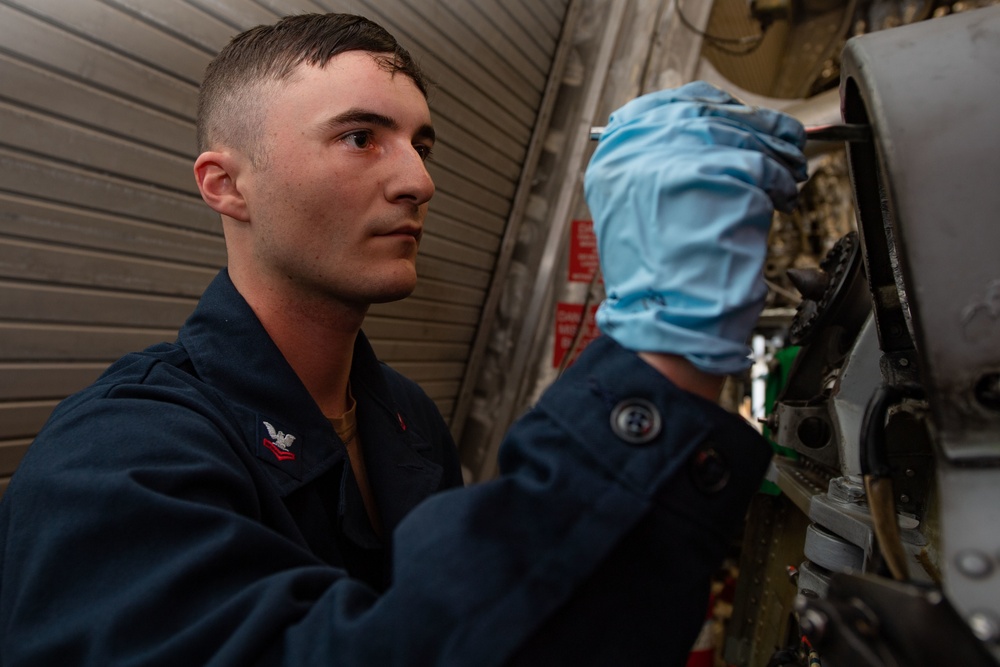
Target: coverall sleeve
{"points": [[590, 548]]}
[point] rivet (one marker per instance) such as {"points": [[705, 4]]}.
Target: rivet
{"points": [[813, 623], [985, 627], [974, 564]]}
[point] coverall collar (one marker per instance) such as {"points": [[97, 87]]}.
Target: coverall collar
{"points": [[232, 352]]}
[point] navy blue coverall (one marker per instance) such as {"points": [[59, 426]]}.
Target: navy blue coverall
{"points": [[193, 507]]}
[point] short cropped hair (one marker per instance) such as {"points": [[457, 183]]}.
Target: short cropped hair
{"points": [[233, 97]]}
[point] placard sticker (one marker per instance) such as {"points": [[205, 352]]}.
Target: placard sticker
{"points": [[568, 316]]}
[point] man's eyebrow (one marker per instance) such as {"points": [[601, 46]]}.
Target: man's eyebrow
{"points": [[362, 116], [427, 132]]}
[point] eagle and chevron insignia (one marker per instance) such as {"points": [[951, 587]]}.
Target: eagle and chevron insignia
{"points": [[279, 443]]}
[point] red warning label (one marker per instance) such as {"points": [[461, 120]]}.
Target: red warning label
{"points": [[583, 260], [569, 320]]}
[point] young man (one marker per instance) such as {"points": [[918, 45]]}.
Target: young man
{"points": [[259, 491], [313, 155]]}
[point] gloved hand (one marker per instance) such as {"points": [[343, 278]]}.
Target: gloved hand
{"points": [[682, 188]]}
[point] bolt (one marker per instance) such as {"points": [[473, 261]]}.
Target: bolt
{"points": [[903, 498], [910, 472], [865, 621], [813, 623], [974, 564], [845, 490], [984, 625], [904, 362]]}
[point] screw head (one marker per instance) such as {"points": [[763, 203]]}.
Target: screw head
{"points": [[974, 564], [813, 623], [985, 626]]}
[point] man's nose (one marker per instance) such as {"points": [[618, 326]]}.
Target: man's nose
{"points": [[410, 181]]}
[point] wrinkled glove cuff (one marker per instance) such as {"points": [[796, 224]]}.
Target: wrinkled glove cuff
{"points": [[658, 328]]}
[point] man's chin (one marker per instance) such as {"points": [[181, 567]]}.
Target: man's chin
{"points": [[384, 283], [396, 290], [390, 296]]}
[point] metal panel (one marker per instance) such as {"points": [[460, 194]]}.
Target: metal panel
{"points": [[548, 14], [504, 158], [69, 266], [502, 34], [49, 181], [63, 96], [23, 418], [468, 212], [44, 380], [132, 37], [30, 38], [498, 70], [29, 302], [33, 132], [27, 218], [237, 14], [418, 311], [10, 455], [539, 33], [71, 342], [105, 244], [183, 22], [380, 327], [931, 221]]}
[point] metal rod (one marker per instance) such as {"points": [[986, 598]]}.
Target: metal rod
{"points": [[853, 132]]}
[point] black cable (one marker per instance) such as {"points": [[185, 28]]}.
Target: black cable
{"points": [[752, 42], [874, 452], [874, 455]]}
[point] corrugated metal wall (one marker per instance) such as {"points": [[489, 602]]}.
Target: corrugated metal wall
{"points": [[105, 244]]}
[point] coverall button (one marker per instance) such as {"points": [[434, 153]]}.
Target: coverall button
{"points": [[709, 469], [636, 421]]}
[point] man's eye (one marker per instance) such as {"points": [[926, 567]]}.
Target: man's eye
{"points": [[359, 139], [423, 150]]}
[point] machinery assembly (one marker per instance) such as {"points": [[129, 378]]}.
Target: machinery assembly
{"points": [[888, 425]]}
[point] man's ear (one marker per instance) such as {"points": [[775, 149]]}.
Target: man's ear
{"points": [[215, 173]]}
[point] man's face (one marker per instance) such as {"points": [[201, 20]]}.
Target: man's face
{"points": [[338, 201]]}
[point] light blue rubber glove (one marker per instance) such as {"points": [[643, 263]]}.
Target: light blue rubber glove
{"points": [[682, 188]]}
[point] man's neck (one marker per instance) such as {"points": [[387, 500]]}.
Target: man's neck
{"points": [[316, 336]]}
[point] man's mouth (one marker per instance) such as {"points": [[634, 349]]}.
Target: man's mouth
{"points": [[415, 231]]}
